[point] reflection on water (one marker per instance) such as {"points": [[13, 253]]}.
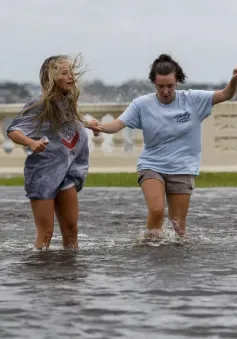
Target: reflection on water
{"points": [[113, 286]]}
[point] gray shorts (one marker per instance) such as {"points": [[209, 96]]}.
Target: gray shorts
{"points": [[174, 183]]}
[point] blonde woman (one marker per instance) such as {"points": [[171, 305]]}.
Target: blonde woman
{"points": [[57, 162]]}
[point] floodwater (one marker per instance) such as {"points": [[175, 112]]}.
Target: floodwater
{"points": [[114, 287]]}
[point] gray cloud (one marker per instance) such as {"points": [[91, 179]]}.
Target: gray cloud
{"points": [[119, 39]]}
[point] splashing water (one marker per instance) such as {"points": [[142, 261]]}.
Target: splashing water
{"points": [[166, 235]]}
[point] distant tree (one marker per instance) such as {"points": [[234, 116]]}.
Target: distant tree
{"points": [[15, 89]]}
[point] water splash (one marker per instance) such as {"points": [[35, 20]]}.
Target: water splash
{"points": [[166, 235]]}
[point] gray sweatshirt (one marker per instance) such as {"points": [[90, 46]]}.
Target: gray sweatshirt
{"points": [[64, 161]]}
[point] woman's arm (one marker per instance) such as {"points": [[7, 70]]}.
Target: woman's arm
{"points": [[129, 118], [109, 127], [19, 138], [112, 127], [228, 92]]}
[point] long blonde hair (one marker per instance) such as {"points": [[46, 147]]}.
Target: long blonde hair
{"points": [[49, 75]]}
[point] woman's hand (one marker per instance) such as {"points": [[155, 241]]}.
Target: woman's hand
{"points": [[94, 125], [234, 74], [228, 92], [38, 146]]}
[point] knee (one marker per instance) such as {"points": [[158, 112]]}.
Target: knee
{"points": [[156, 212]]}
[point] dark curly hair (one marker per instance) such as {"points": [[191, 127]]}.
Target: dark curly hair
{"points": [[165, 65]]}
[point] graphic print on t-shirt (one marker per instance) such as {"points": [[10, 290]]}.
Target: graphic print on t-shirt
{"points": [[182, 117], [70, 135]]}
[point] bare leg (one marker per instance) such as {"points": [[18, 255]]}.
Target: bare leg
{"points": [[178, 205], [43, 212], [154, 193], [67, 211]]}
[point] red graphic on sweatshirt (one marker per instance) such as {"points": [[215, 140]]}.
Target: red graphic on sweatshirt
{"points": [[70, 136]]}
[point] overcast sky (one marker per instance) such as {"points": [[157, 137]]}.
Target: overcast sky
{"points": [[119, 38]]}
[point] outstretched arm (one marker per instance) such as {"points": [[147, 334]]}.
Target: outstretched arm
{"points": [[129, 118], [109, 127], [112, 127], [228, 92]]}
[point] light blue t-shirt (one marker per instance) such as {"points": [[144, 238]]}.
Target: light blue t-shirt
{"points": [[172, 133]]}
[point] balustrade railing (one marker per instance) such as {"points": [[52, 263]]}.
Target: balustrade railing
{"points": [[119, 152]]}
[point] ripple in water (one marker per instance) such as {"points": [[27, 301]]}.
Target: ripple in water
{"points": [[114, 286]]}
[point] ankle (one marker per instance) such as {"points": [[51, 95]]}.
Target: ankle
{"points": [[155, 232]]}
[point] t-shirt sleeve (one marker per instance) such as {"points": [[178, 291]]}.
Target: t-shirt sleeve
{"points": [[202, 102], [131, 116], [24, 121]]}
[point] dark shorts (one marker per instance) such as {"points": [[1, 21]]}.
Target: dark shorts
{"points": [[174, 183]]}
